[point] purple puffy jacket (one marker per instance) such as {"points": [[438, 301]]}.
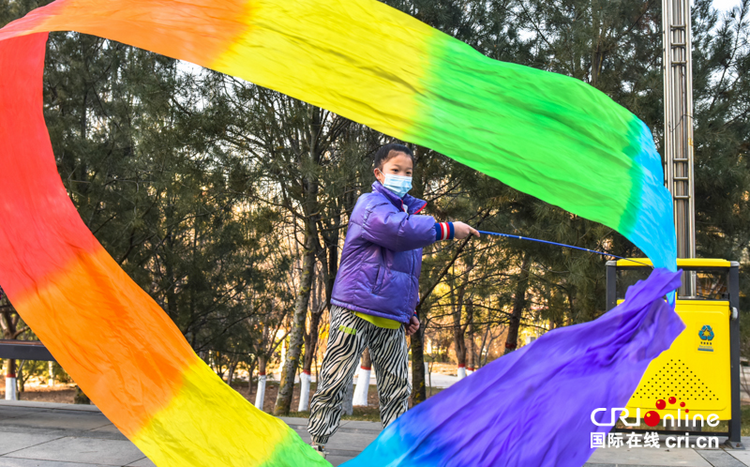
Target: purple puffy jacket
{"points": [[382, 256]]}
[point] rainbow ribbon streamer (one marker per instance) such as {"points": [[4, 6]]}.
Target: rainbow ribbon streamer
{"points": [[110, 335], [518, 411], [545, 134]]}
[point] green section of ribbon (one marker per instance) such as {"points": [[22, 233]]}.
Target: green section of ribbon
{"points": [[542, 133]]}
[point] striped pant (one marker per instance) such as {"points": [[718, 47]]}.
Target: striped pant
{"points": [[347, 339]]}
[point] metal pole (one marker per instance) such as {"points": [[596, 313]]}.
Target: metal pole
{"points": [[735, 424], [678, 127], [611, 284]]}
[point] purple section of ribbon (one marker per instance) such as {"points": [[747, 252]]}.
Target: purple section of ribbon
{"points": [[533, 407]]}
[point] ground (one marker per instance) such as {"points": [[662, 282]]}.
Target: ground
{"points": [[64, 393], [61, 393]]}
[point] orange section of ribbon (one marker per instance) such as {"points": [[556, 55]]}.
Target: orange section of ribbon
{"points": [[113, 339], [111, 336], [194, 30]]}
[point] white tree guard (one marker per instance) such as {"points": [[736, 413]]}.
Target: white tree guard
{"points": [[51, 370], [10, 389], [427, 374], [260, 394], [461, 372], [363, 386], [304, 393]]}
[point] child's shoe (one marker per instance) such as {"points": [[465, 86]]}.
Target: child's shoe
{"points": [[320, 449]]}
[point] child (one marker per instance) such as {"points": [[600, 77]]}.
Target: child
{"points": [[376, 292]]}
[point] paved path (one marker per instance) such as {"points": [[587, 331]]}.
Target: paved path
{"points": [[39, 434], [43, 434]]}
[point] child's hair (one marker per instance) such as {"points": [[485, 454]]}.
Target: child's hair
{"points": [[388, 151]]}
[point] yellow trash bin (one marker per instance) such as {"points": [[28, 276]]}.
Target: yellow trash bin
{"points": [[698, 377]]}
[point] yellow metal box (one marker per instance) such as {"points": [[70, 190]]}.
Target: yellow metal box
{"points": [[698, 375]]}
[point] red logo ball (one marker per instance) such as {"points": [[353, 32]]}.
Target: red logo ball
{"points": [[652, 418]]}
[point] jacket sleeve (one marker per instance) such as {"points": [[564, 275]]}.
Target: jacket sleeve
{"points": [[384, 225]]}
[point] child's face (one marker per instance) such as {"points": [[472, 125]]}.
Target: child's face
{"points": [[400, 164]]}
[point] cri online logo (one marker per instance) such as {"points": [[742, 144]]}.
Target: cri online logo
{"points": [[653, 418]]}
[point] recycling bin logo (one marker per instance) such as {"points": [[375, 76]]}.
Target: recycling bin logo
{"points": [[706, 333]]}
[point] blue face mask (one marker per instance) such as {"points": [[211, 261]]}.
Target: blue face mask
{"points": [[397, 184]]}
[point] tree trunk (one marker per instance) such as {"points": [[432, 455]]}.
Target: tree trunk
{"points": [[363, 381], [458, 333], [20, 380], [311, 341], [8, 321], [598, 48], [250, 371], [296, 338], [471, 349], [10, 379], [304, 391], [232, 367], [418, 391], [519, 303], [81, 397], [260, 395], [311, 338], [51, 372]]}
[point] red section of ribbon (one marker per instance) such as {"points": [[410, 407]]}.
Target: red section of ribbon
{"points": [[40, 229]]}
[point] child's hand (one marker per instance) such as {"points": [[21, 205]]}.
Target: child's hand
{"points": [[461, 230], [413, 325]]}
